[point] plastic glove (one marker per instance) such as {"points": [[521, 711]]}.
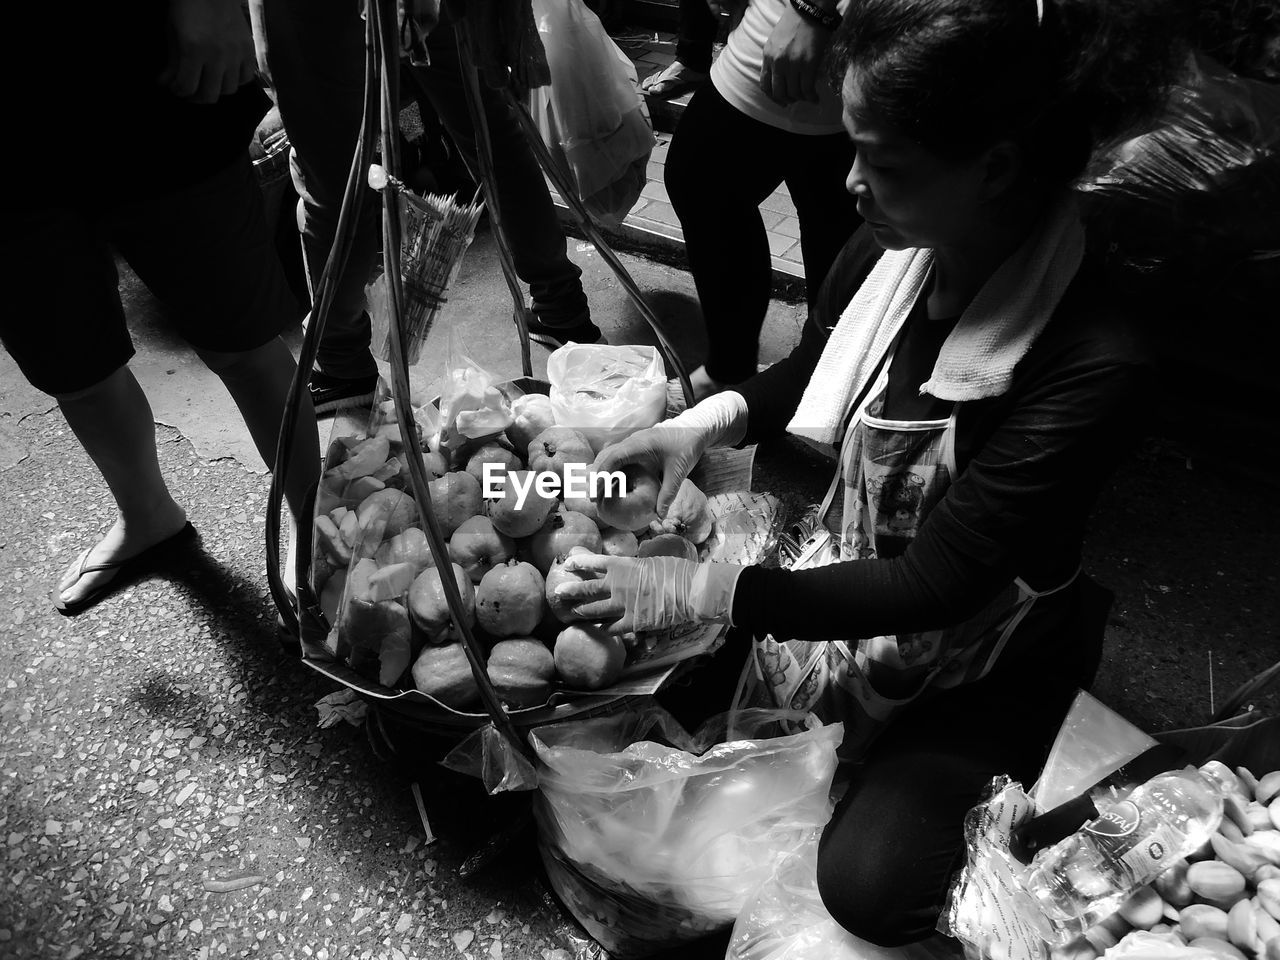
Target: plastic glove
{"points": [[792, 61], [653, 593], [671, 449]]}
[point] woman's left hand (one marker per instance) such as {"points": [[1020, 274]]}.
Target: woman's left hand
{"points": [[650, 593], [793, 59]]}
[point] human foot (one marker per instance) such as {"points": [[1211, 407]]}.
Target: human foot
{"points": [[703, 385], [125, 549]]}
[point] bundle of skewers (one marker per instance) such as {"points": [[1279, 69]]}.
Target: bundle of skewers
{"points": [[436, 231]]}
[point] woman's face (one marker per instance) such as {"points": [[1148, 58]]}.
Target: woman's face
{"points": [[908, 195]]}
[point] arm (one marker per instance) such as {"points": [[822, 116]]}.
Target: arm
{"points": [[793, 55], [1028, 489]]}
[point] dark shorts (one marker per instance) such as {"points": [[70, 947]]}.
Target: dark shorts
{"points": [[204, 251]]}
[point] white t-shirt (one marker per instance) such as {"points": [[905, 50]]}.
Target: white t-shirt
{"points": [[736, 75]]}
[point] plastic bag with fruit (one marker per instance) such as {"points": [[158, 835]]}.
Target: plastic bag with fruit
{"points": [[607, 392], [654, 838]]}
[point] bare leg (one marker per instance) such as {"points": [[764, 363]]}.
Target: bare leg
{"points": [[258, 381], [113, 422]]}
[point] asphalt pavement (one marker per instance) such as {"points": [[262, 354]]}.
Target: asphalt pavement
{"points": [[166, 791]]}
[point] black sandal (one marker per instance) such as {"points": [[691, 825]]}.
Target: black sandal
{"points": [[125, 571]]}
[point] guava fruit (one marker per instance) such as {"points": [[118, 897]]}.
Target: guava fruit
{"points": [[589, 658], [477, 547], [430, 609], [555, 448], [455, 498], [563, 531], [522, 672], [509, 599], [520, 520], [493, 452], [532, 414], [668, 545], [560, 608], [618, 543], [638, 508]]}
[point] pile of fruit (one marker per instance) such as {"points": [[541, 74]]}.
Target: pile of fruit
{"points": [[380, 586], [1224, 899]]}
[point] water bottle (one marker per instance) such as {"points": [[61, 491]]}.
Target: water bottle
{"points": [[1088, 875]]}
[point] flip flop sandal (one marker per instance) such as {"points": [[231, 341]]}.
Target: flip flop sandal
{"points": [[672, 80], [123, 571]]}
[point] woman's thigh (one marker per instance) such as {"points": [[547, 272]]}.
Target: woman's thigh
{"points": [[720, 158]]}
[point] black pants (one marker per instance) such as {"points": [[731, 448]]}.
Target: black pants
{"points": [[696, 34], [721, 165], [896, 839]]}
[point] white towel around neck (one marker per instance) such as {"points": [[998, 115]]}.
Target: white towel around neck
{"points": [[979, 355]]}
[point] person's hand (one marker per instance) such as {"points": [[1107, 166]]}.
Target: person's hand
{"points": [[210, 50], [793, 59], [650, 593], [667, 451]]}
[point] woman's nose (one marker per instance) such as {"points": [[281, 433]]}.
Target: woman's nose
{"points": [[855, 182]]}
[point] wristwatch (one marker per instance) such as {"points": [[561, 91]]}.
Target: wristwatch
{"points": [[815, 14]]}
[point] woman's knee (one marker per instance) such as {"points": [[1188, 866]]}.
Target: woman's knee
{"points": [[869, 897], [244, 363]]}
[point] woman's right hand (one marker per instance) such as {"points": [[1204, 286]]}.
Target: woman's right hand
{"points": [[668, 450]]}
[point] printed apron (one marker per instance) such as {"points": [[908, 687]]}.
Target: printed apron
{"points": [[891, 474]]}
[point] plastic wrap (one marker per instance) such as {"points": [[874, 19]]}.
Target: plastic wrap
{"points": [[653, 838], [592, 116], [1201, 190], [605, 392]]}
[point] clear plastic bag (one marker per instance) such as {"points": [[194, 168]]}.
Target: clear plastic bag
{"points": [[785, 919], [472, 405], [607, 393], [656, 842], [592, 116]]}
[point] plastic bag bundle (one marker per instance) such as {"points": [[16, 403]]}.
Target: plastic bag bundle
{"points": [[592, 116], [1199, 191], [607, 392], [652, 844]]}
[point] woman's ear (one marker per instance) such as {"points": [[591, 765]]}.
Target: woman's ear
{"points": [[1001, 167]]}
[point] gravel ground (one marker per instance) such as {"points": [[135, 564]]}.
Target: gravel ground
{"points": [[166, 790]]}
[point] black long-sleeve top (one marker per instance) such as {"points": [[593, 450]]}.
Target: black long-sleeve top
{"points": [[1030, 465]]}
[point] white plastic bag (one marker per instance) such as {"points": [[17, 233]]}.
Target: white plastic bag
{"points": [[592, 116], [784, 919], [607, 393], [651, 845]]}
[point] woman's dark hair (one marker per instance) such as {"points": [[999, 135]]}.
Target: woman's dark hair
{"points": [[959, 75]]}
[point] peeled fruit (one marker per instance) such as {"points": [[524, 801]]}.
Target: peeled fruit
{"points": [[477, 547], [689, 515], [363, 459], [503, 459], [619, 543], [386, 513], [445, 673], [331, 595], [1216, 946], [515, 519], [379, 638], [1144, 908], [391, 581], [562, 609], [589, 658], [358, 579], [522, 671], [408, 547], [638, 508], [509, 599], [1201, 920], [556, 447], [562, 532], [1214, 880], [455, 498], [668, 545], [430, 609], [532, 414]]}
